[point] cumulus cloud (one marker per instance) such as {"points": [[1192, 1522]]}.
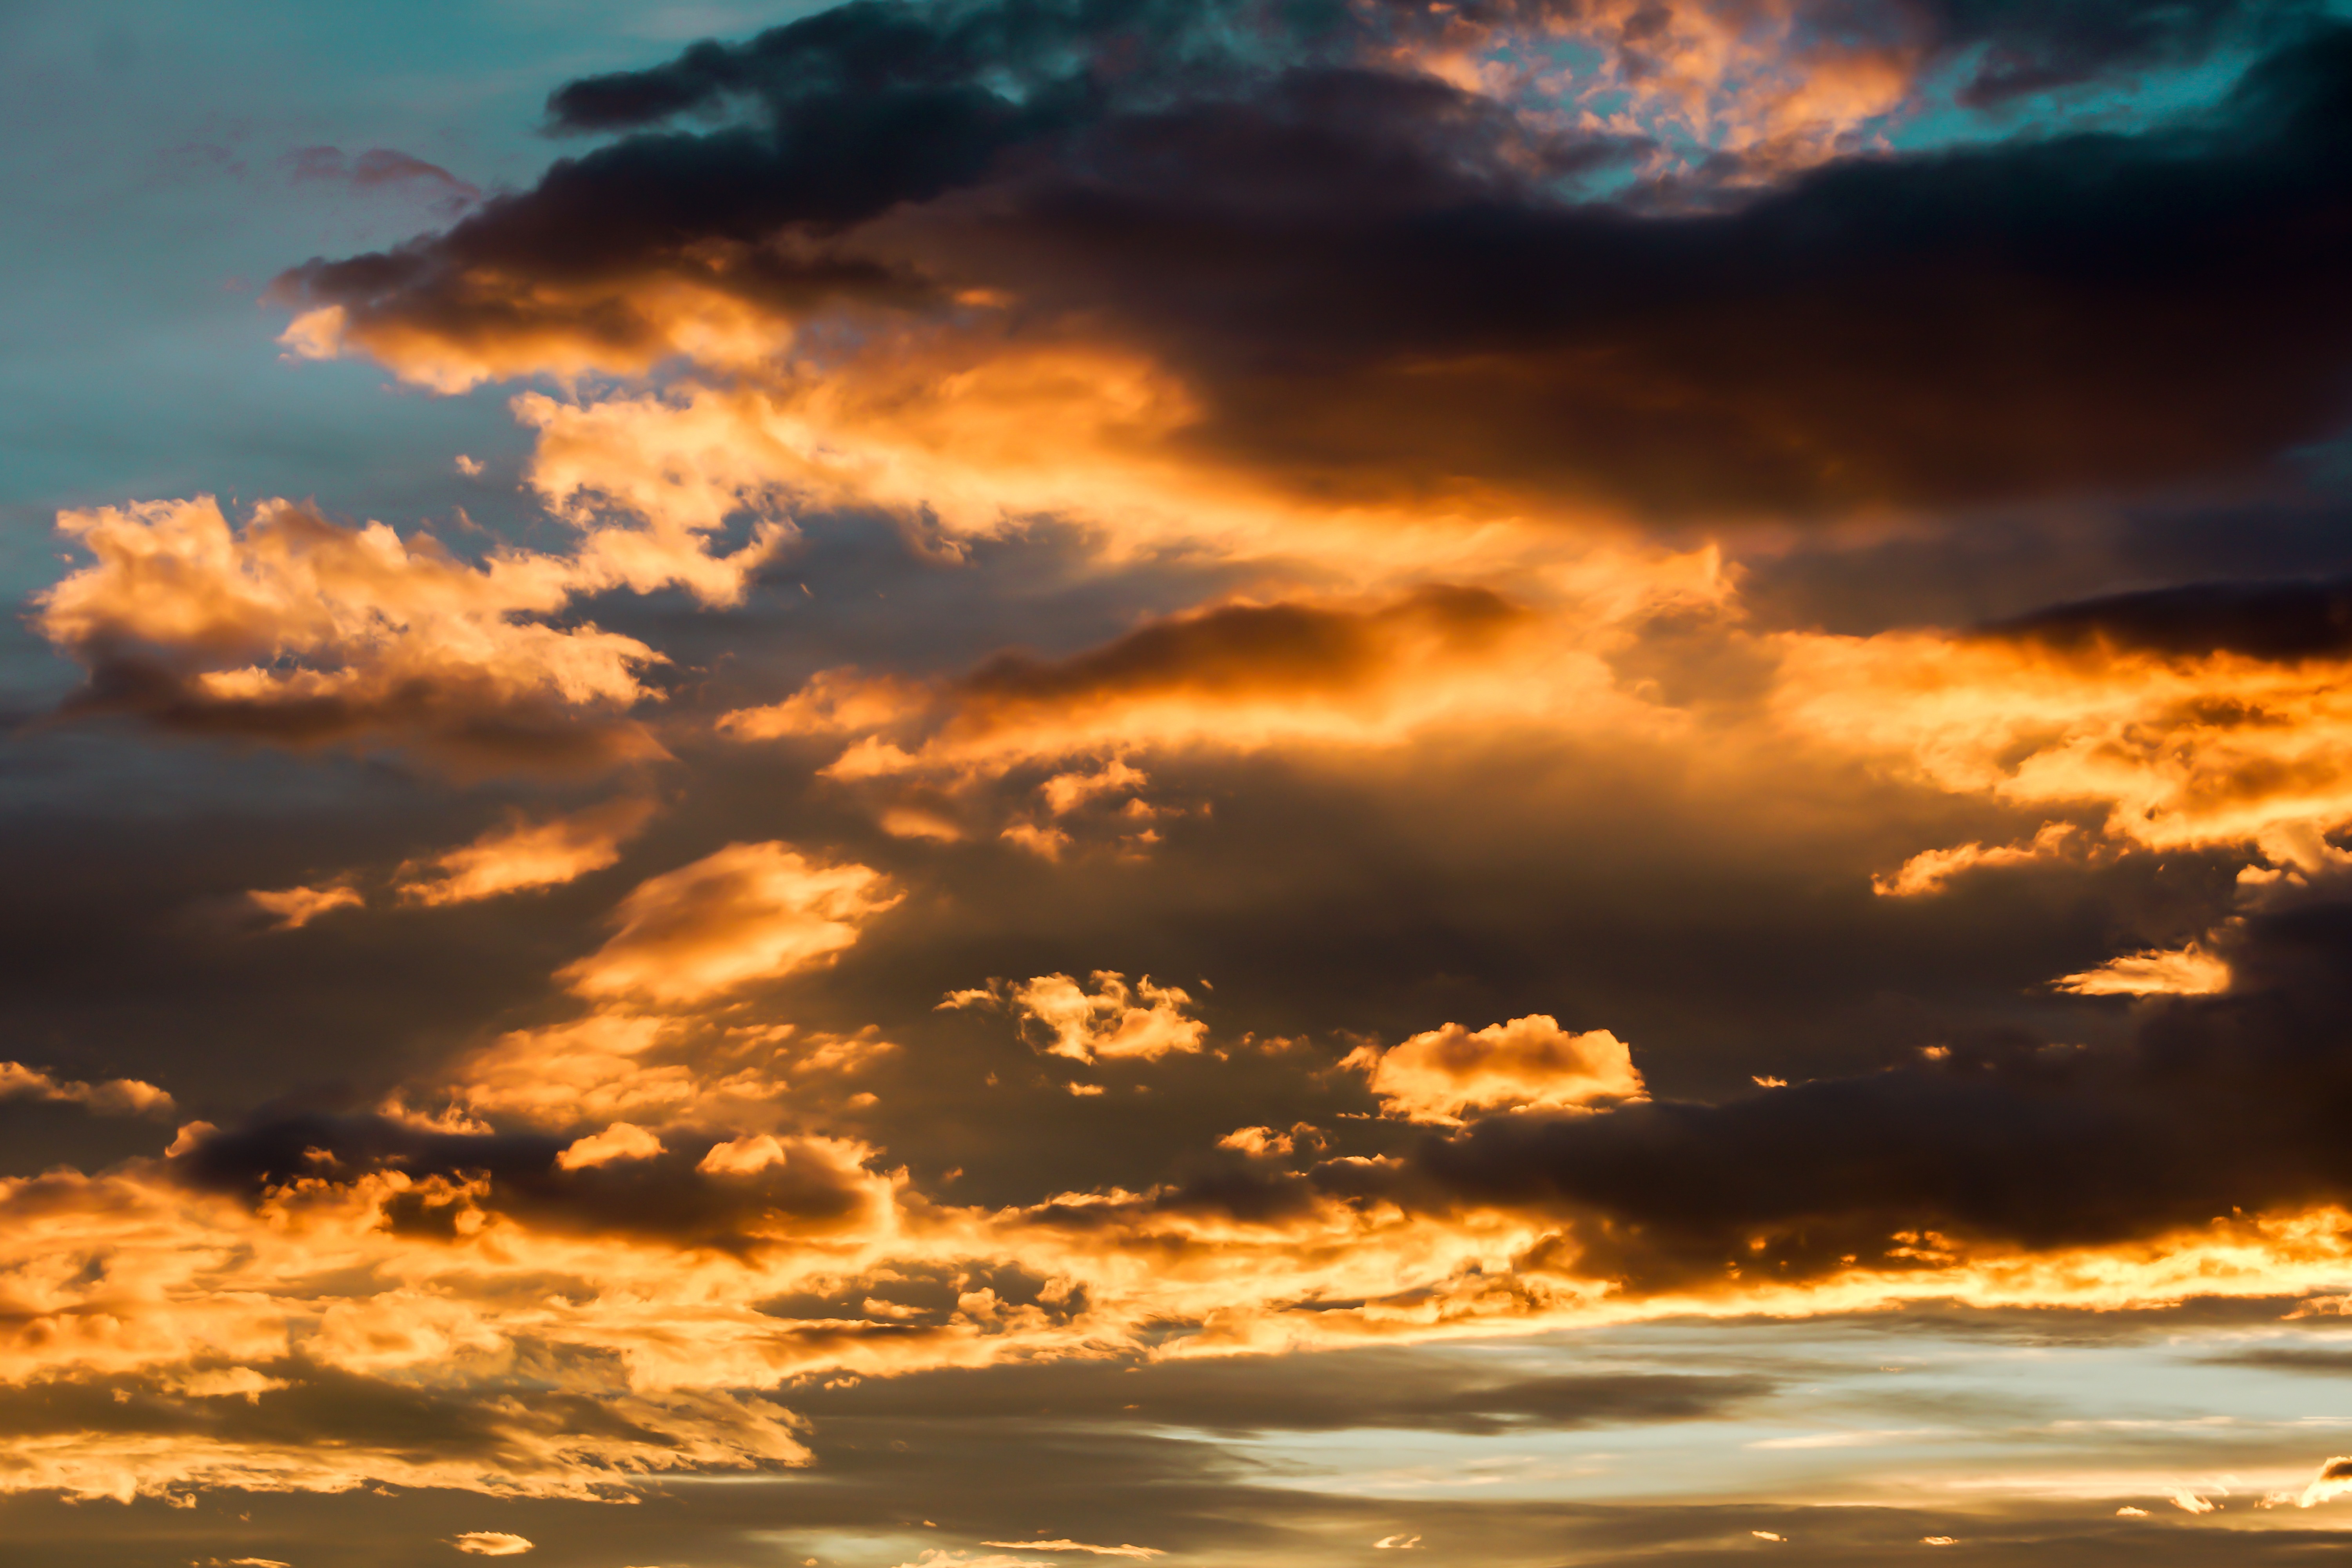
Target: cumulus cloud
{"points": [[299, 631], [116, 1097], [1112, 1021], [745, 913], [620, 1141], [1528, 1064], [1930, 870]]}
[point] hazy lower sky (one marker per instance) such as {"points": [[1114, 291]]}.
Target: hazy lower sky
{"points": [[987, 783]]}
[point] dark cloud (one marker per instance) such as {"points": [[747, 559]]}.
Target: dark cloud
{"points": [[1246, 649], [1375, 283], [2216, 1105], [470, 726], [664, 1197], [2287, 622]]}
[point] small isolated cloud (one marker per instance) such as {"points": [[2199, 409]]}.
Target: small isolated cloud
{"points": [[1139, 1552], [742, 1156], [1113, 1020], [750, 912], [116, 1097], [2189, 1503], [491, 1543], [1930, 870], [291, 909], [383, 168], [1528, 1064], [1766, 1535], [2187, 971], [1397, 1543], [523, 856], [469, 466], [2127, 1511], [1939, 1541], [620, 1141]]}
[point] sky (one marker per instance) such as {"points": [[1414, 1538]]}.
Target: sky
{"points": [[1018, 783]]}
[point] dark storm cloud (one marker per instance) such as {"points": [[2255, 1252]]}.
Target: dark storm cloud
{"points": [[2215, 1105], [1374, 283], [2098, 313], [2286, 622]]}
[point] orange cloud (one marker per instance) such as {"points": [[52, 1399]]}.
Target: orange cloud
{"points": [[1528, 1064], [1930, 870], [523, 854], [295, 908], [1104, 1023], [491, 1543], [299, 631], [620, 1141], [2184, 751], [116, 1097], [2170, 972], [748, 912]]}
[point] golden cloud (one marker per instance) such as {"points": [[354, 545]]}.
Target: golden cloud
{"points": [[523, 856], [1528, 1064], [746, 913]]}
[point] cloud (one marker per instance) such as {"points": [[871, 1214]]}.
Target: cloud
{"points": [[620, 1141], [1931, 870], [1141, 1554], [2178, 971], [300, 632], [747, 913], [2334, 1480], [1103, 1023], [491, 1543], [1528, 1064], [376, 166], [294, 908], [523, 854], [2186, 748], [1529, 327], [116, 1097]]}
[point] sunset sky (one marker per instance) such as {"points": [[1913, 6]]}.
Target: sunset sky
{"points": [[1257, 783]]}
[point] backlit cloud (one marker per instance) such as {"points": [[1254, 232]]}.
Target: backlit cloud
{"points": [[748, 912], [1528, 1064]]}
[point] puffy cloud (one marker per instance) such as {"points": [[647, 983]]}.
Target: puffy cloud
{"points": [[620, 1141], [491, 1543], [116, 1097], [746, 913], [1106, 1022], [1528, 1064], [301, 632], [2334, 1480], [1931, 870], [524, 855], [2186, 747]]}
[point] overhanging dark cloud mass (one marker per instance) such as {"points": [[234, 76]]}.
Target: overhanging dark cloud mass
{"points": [[1553, 782]]}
